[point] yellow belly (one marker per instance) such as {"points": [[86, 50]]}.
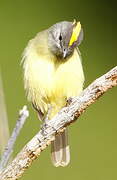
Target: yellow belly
{"points": [[50, 82]]}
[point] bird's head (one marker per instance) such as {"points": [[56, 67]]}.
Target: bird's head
{"points": [[63, 37]]}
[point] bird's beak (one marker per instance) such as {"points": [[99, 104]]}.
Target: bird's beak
{"points": [[64, 53]]}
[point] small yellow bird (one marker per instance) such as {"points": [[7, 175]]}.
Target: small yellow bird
{"points": [[53, 73]]}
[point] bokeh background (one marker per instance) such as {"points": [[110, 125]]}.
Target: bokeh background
{"points": [[93, 139]]}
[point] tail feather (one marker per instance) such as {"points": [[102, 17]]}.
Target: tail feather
{"points": [[60, 152], [66, 150]]}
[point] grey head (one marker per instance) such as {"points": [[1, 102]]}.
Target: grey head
{"points": [[63, 37]]}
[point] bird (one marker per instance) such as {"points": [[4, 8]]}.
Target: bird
{"points": [[53, 72]]}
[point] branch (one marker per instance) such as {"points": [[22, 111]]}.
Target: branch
{"points": [[23, 114], [4, 128], [66, 116]]}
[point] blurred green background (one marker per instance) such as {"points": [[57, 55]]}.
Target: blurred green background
{"points": [[93, 139]]}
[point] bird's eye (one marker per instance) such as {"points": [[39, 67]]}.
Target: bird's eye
{"points": [[60, 37]]}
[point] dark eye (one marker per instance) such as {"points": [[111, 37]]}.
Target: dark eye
{"points": [[60, 37]]}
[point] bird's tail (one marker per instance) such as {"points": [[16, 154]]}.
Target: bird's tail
{"points": [[60, 152]]}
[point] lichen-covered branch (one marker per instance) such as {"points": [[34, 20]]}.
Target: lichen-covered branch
{"points": [[66, 116]]}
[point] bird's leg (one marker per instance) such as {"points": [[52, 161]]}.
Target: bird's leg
{"points": [[69, 100], [48, 113], [39, 113]]}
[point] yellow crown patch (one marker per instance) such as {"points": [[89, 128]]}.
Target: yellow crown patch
{"points": [[75, 32]]}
